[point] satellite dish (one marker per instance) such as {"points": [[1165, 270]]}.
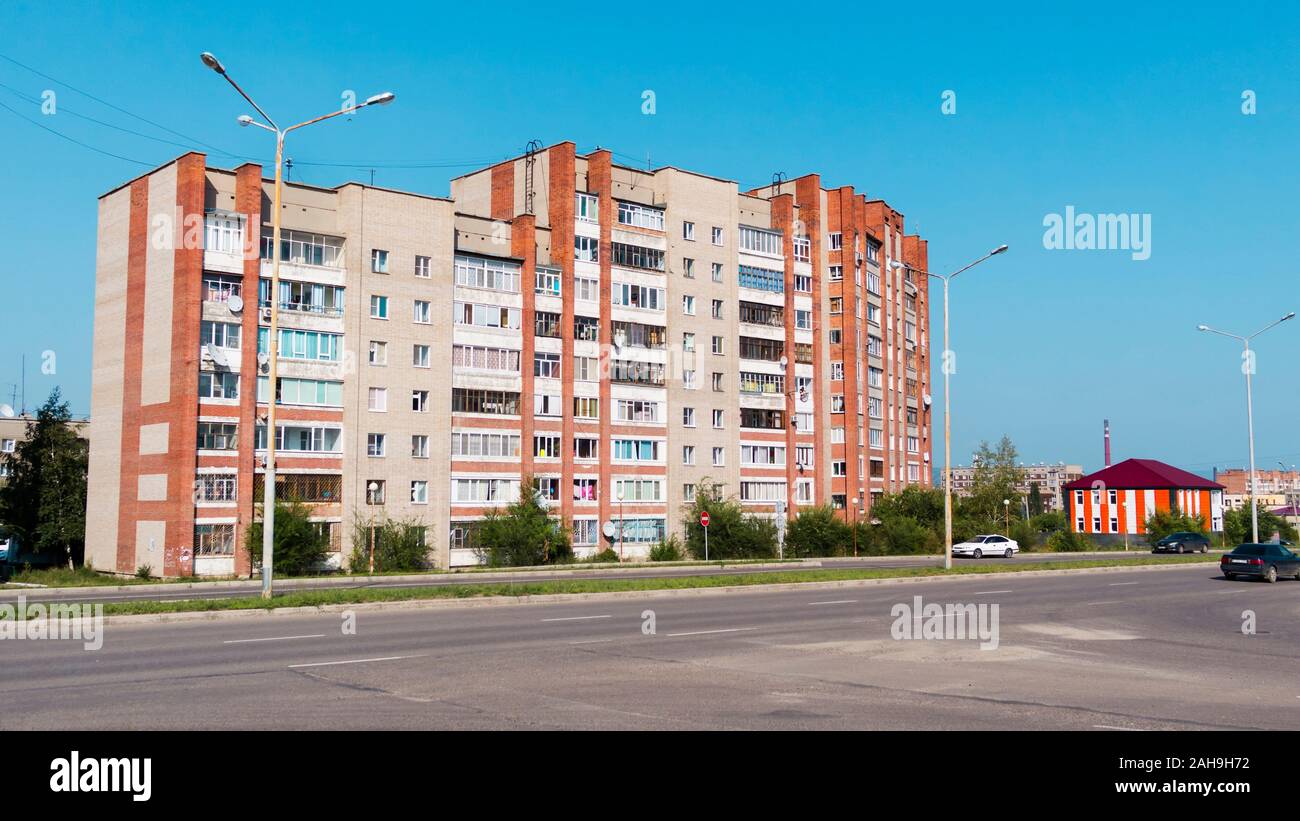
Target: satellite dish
{"points": [[235, 303], [6, 410], [609, 530], [926, 457], [784, 361], [927, 399], [215, 354]]}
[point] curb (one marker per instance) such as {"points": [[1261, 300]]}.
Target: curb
{"points": [[554, 598]]}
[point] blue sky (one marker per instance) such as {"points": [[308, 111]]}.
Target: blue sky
{"points": [[1111, 108]]}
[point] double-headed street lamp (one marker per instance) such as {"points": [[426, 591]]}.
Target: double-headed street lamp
{"points": [[1248, 367], [273, 341], [947, 405]]}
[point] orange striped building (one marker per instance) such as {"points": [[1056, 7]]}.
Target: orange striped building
{"points": [[1120, 498]]}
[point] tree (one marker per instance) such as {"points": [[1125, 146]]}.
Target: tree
{"points": [[815, 532], [299, 545], [1163, 522], [733, 533], [1035, 500], [399, 544], [522, 534], [44, 500], [1236, 526], [995, 479], [924, 505]]}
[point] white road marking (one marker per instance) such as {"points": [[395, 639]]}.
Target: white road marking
{"points": [[580, 618], [1126, 729], [991, 592], [709, 632], [591, 641], [350, 661], [1121, 584], [1094, 603], [276, 638], [837, 601]]}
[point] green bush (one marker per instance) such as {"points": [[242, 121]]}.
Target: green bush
{"points": [[733, 534], [1163, 522], [522, 534], [1236, 526], [1025, 534], [399, 545], [144, 571], [604, 556], [668, 550], [818, 532], [300, 546], [1067, 541], [903, 535]]}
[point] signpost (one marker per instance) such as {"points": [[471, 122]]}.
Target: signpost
{"points": [[704, 523]]}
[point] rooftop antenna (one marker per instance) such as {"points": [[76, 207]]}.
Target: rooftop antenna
{"points": [[288, 170], [530, 159], [372, 178], [24, 392], [777, 179]]}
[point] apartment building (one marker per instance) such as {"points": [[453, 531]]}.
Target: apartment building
{"points": [[620, 336], [13, 429], [1050, 478]]}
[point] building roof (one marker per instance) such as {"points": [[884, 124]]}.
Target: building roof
{"points": [[1142, 474], [1289, 510]]}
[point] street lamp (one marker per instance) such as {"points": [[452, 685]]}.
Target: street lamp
{"points": [[947, 404], [620, 525], [273, 339], [1248, 367], [1006, 507]]}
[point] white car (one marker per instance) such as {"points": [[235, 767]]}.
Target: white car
{"points": [[977, 547]]}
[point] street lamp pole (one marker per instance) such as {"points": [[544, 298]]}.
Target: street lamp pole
{"points": [[1248, 366], [947, 401], [273, 336]]}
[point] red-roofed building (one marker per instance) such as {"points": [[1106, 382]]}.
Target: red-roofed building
{"points": [[1120, 498]]}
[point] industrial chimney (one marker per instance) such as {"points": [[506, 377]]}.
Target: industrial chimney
{"points": [[1106, 430]]}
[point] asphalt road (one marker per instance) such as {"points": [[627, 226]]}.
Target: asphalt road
{"points": [[253, 587], [1157, 649]]}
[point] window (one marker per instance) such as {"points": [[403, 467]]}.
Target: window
{"points": [[718, 349], [838, 468], [719, 457], [420, 401], [546, 446], [803, 283], [636, 335], [768, 350], [688, 231], [716, 309], [642, 531], [214, 540], [419, 493], [688, 417], [756, 313], [688, 305], [379, 261], [547, 282], [688, 379], [488, 274], [688, 454], [546, 365], [1114, 524], [586, 489], [216, 487], [636, 256], [769, 383], [802, 320], [375, 444], [837, 371], [837, 305], [688, 267], [717, 235], [874, 345], [486, 359], [763, 455], [302, 248], [760, 241], [638, 373], [719, 418], [378, 307], [762, 418], [688, 490], [585, 531], [836, 241], [218, 385], [224, 233], [586, 288], [547, 487], [873, 250], [484, 490], [875, 377], [309, 345], [377, 399], [717, 381], [585, 447], [375, 492], [762, 279], [480, 444], [688, 342], [219, 335], [212, 436], [546, 404], [586, 249], [420, 356], [836, 336], [1113, 496], [837, 273], [303, 297], [221, 289], [638, 296], [485, 316], [378, 354], [420, 311], [586, 207], [762, 491], [473, 400], [873, 314], [419, 446], [802, 249], [717, 271], [642, 216], [639, 490], [636, 450], [546, 323], [586, 328], [637, 410], [586, 369], [422, 267], [586, 407]]}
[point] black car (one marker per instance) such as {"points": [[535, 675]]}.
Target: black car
{"points": [[1265, 561], [1182, 542]]}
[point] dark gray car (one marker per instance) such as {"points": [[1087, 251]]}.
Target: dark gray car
{"points": [[1262, 561], [1183, 542]]}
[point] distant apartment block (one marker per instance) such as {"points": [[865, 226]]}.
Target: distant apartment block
{"points": [[622, 336], [1050, 478]]}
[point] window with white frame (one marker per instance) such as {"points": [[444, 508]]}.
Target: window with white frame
{"points": [[586, 207], [419, 446], [378, 261], [688, 231], [419, 492], [423, 269], [421, 312], [377, 399], [586, 249], [487, 274], [420, 356], [376, 444]]}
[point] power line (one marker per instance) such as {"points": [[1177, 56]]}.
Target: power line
{"points": [[76, 141]]}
